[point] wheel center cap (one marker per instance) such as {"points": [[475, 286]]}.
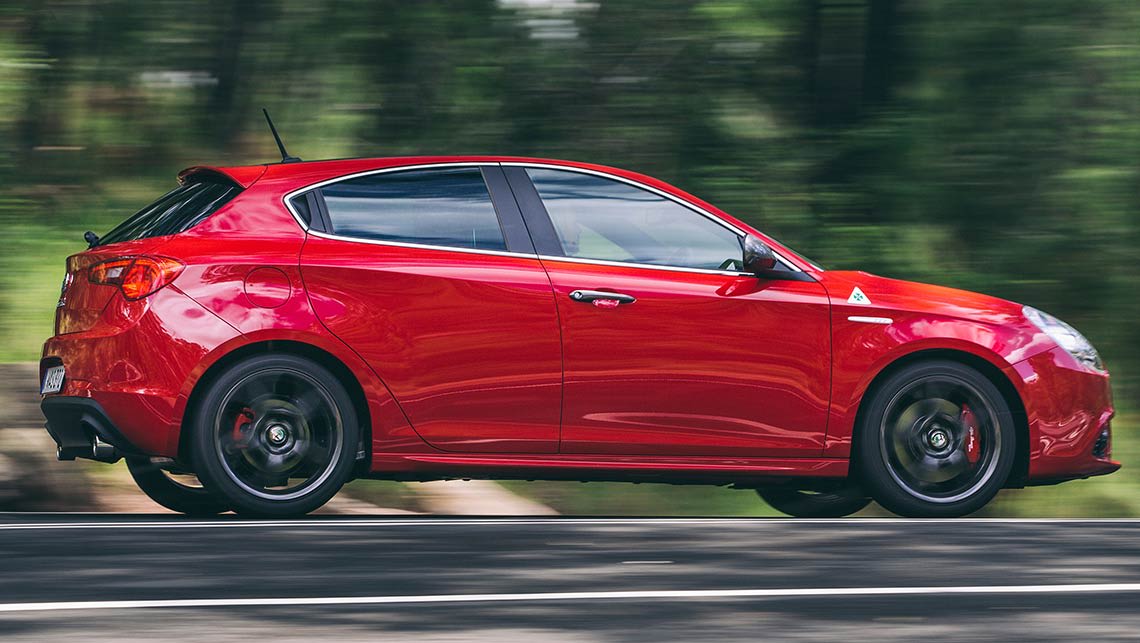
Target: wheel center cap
{"points": [[937, 439], [277, 435]]}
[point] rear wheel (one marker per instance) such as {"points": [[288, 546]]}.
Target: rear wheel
{"points": [[937, 440], [811, 504], [276, 435], [175, 491]]}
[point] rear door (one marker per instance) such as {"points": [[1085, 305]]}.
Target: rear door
{"points": [[428, 273], [685, 357]]}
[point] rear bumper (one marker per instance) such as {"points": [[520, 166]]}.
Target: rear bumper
{"points": [[132, 371], [1069, 410], [81, 429]]}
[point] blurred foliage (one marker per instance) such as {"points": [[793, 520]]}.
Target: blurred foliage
{"points": [[986, 145], [991, 146]]}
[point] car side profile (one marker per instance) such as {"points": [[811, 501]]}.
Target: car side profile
{"points": [[278, 330]]}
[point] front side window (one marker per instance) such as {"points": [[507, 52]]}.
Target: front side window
{"points": [[436, 207], [600, 218]]}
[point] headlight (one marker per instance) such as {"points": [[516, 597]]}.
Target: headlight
{"points": [[1066, 337]]}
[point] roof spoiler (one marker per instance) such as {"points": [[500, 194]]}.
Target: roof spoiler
{"points": [[242, 176]]}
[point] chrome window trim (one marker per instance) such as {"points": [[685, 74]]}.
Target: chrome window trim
{"points": [[422, 246], [287, 200], [651, 266], [679, 201]]}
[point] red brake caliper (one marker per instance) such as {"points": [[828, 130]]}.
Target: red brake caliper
{"points": [[973, 447], [242, 424]]}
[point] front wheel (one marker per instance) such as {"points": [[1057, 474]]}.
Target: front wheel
{"points": [[937, 439], [275, 435], [181, 493], [810, 504]]}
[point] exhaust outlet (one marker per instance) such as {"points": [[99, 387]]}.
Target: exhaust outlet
{"points": [[103, 452]]}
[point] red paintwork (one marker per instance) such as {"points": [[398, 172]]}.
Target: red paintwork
{"points": [[243, 176], [717, 470], [467, 342], [1067, 407], [702, 364], [117, 361], [478, 364]]}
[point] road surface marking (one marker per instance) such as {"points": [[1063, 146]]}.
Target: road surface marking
{"points": [[230, 523], [572, 596]]}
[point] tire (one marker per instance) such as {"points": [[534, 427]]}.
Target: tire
{"points": [[808, 504], [937, 440], [173, 494], [275, 435]]}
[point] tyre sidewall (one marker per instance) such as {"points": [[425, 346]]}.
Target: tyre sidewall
{"points": [[191, 501], [799, 504], [873, 469], [212, 471]]}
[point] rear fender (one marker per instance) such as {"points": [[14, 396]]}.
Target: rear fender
{"points": [[391, 432]]}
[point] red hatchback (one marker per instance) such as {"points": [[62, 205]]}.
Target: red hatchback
{"points": [[278, 330]]}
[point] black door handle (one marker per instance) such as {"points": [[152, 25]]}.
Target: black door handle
{"points": [[589, 296]]}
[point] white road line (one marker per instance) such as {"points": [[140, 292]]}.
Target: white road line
{"points": [[573, 596], [561, 521]]}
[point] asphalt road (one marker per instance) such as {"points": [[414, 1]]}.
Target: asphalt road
{"points": [[100, 577]]}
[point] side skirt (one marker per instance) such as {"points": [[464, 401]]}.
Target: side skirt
{"points": [[592, 468]]}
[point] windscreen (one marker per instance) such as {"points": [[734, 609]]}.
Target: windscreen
{"points": [[176, 211]]}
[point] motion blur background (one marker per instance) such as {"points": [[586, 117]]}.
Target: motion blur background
{"points": [[992, 146]]}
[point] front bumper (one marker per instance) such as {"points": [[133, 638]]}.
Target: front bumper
{"points": [[1069, 411]]}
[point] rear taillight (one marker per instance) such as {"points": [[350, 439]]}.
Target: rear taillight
{"points": [[137, 277]]}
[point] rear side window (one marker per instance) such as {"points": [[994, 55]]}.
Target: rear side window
{"points": [[176, 211], [301, 205], [438, 207]]}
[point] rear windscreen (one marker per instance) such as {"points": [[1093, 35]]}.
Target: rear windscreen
{"points": [[176, 211]]}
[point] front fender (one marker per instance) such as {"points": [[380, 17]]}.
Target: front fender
{"points": [[876, 321], [863, 350]]}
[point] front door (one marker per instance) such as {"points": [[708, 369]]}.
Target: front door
{"points": [[688, 357]]}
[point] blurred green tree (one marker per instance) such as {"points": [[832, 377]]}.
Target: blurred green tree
{"points": [[991, 146]]}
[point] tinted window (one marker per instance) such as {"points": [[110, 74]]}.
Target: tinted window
{"points": [[301, 207], [599, 218], [449, 207], [176, 211]]}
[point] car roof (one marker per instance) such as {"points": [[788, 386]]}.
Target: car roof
{"points": [[312, 171], [288, 177], [308, 172]]}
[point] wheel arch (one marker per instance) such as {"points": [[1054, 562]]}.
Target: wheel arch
{"points": [[339, 369], [1020, 472]]}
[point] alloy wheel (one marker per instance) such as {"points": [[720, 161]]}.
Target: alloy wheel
{"points": [[278, 434], [940, 439]]}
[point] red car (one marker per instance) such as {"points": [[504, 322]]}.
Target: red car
{"points": [[277, 330]]}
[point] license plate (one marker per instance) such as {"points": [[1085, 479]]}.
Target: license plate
{"points": [[53, 380]]}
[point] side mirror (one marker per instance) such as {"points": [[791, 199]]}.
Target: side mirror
{"points": [[758, 257]]}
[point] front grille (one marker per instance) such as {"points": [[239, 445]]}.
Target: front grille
{"points": [[1103, 445]]}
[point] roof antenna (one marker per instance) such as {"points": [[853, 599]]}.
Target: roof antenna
{"points": [[285, 158]]}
